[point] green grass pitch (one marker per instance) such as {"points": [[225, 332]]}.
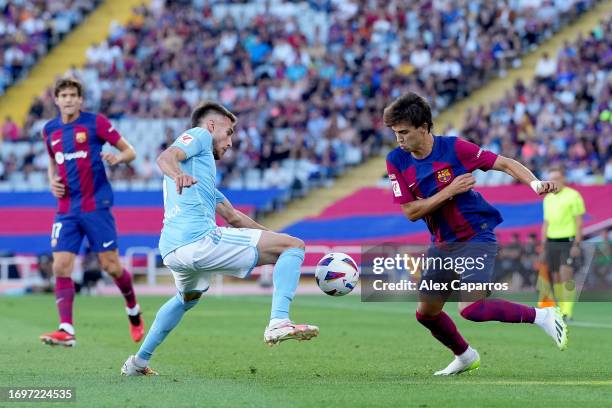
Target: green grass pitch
{"points": [[368, 354]]}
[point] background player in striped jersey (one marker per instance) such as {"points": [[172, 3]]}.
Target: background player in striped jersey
{"points": [[74, 141], [431, 179]]}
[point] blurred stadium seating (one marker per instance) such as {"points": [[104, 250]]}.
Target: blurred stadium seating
{"points": [[308, 80], [563, 117], [30, 28]]}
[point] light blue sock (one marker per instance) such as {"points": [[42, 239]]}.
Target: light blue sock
{"points": [[168, 316], [285, 277]]}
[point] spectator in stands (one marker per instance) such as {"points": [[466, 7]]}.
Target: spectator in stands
{"points": [[10, 130], [601, 276], [30, 28], [529, 258], [510, 258], [608, 171], [147, 169], [545, 70], [297, 77], [275, 177], [558, 118], [92, 272]]}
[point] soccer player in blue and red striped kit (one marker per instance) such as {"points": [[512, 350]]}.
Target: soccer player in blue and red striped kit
{"points": [[431, 179], [74, 141]]}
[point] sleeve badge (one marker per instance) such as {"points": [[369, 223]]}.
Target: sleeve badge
{"points": [[185, 139]]}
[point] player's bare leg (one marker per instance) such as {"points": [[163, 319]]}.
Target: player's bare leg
{"points": [[480, 309], [63, 264], [109, 260], [430, 314], [566, 291], [287, 254], [167, 318]]}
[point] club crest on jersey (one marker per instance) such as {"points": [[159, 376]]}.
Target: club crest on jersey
{"points": [[185, 139], [81, 137], [444, 175]]}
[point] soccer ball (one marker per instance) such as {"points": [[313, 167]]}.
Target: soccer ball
{"points": [[337, 274]]}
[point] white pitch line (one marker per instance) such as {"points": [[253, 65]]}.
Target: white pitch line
{"points": [[533, 382], [591, 325]]}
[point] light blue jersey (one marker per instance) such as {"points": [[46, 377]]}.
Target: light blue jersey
{"points": [[191, 216]]}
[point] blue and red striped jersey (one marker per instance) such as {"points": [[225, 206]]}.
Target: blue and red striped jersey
{"points": [[465, 215], [76, 148]]}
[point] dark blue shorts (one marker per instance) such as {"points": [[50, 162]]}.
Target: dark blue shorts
{"points": [[98, 226], [451, 264]]}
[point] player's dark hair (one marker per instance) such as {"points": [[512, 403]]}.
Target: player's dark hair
{"points": [[207, 107], [68, 82], [411, 109]]}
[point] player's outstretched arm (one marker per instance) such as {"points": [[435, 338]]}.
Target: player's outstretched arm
{"points": [[524, 175], [168, 162], [236, 218], [417, 209], [126, 154]]}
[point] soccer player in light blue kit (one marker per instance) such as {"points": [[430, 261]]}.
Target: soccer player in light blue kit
{"points": [[195, 248]]}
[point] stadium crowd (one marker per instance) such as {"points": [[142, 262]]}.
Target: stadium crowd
{"points": [[517, 260], [30, 28], [563, 117], [308, 87]]}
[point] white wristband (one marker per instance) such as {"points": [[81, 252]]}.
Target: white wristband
{"points": [[536, 185]]}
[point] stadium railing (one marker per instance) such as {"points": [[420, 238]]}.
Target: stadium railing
{"points": [[150, 269], [145, 261], [23, 263]]}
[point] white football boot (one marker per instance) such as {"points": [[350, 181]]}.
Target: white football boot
{"points": [[468, 361], [550, 319], [287, 330], [131, 369]]}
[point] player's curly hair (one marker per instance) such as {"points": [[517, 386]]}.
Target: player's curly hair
{"points": [[207, 107], [68, 82], [411, 109]]}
